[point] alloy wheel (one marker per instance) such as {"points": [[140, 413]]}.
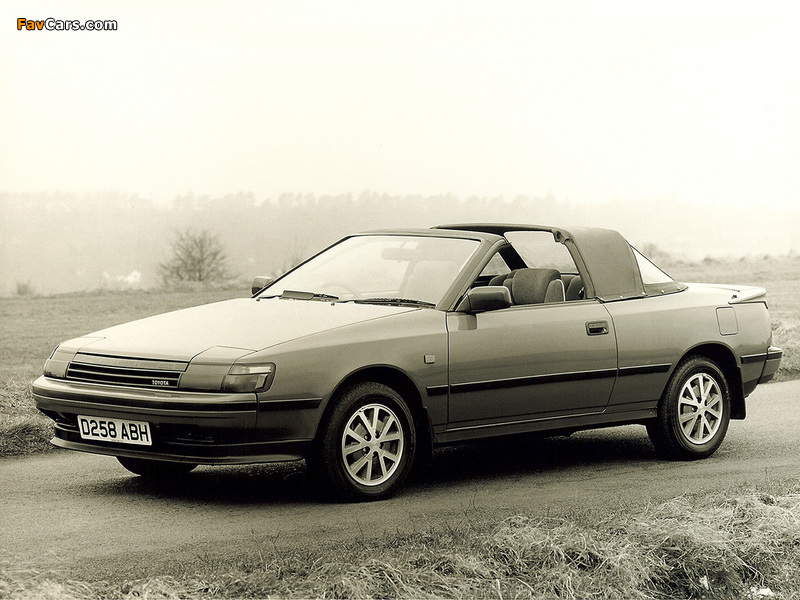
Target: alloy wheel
{"points": [[372, 444], [700, 406]]}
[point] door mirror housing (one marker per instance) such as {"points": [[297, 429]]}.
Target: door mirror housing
{"points": [[482, 299], [260, 282]]}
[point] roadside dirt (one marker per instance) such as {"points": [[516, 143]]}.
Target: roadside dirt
{"points": [[89, 519]]}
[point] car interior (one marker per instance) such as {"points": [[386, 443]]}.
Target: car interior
{"points": [[554, 278], [540, 285]]}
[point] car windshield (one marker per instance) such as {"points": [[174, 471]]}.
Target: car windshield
{"points": [[379, 268]]}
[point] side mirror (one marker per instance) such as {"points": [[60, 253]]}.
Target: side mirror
{"points": [[481, 299], [259, 283]]}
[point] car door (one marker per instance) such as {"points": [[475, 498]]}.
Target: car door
{"points": [[530, 362]]}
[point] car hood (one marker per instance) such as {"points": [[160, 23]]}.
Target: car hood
{"points": [[243, 326]]}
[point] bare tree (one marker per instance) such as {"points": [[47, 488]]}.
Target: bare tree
{"points": [[196, 256], [295, 254]]}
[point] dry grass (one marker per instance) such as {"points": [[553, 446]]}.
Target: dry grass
{"points": [[30, 585], [786, 335], [745, 545], [23, 429]]}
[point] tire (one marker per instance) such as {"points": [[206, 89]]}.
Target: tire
{"points": [[693, 413], [366, 447], [155, 469]]}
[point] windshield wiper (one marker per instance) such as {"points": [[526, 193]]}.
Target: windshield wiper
{"points": [[295, 295], [398, 301]]}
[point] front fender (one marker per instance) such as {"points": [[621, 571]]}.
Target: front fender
{"points": [[309, 370]]}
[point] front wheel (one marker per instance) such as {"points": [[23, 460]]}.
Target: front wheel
{"points": [[694, 412], [367, 446], [155, 469]]}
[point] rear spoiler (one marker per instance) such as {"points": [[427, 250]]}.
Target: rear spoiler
{"points": [[740, 294], [749, 294]]}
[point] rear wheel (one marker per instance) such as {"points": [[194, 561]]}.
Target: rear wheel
{"points": [[694, 413], [156, 469], [367, 447]]}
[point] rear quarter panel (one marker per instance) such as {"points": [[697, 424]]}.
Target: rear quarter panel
{"points": [[661, 330], [755, 333]]}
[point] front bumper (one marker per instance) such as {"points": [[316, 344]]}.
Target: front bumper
{"points": [[196, 427]]}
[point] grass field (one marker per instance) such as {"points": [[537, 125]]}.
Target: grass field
{"points": [[737, 543]]}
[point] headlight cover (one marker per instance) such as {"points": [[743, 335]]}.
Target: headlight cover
{"points": [[47, 370], [56, 365], [243, 378]]}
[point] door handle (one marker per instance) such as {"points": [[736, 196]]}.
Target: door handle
{"points": [[597, 328]]}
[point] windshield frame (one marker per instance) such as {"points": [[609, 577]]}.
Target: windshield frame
{"points": [[448, 298]]}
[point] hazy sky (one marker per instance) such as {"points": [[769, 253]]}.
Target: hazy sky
{"points": [[697, 101]]}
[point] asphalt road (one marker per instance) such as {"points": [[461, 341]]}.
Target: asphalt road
{"points": [[87, 518]]}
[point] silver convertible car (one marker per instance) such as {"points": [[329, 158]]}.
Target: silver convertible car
{"points": [[387, 344]]}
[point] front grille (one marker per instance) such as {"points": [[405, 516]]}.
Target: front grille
{"points": [[125, 371]]}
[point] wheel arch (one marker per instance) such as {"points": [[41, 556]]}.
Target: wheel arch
{"points": [[400, 382], [725, 359]]}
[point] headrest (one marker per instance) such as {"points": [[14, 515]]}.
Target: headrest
{"points": [[529, 286]]}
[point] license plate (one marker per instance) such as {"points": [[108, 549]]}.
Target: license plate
{"points": [[115, 430]]}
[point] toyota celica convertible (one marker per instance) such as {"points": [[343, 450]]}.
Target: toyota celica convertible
{"points": [[388, 344]]}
